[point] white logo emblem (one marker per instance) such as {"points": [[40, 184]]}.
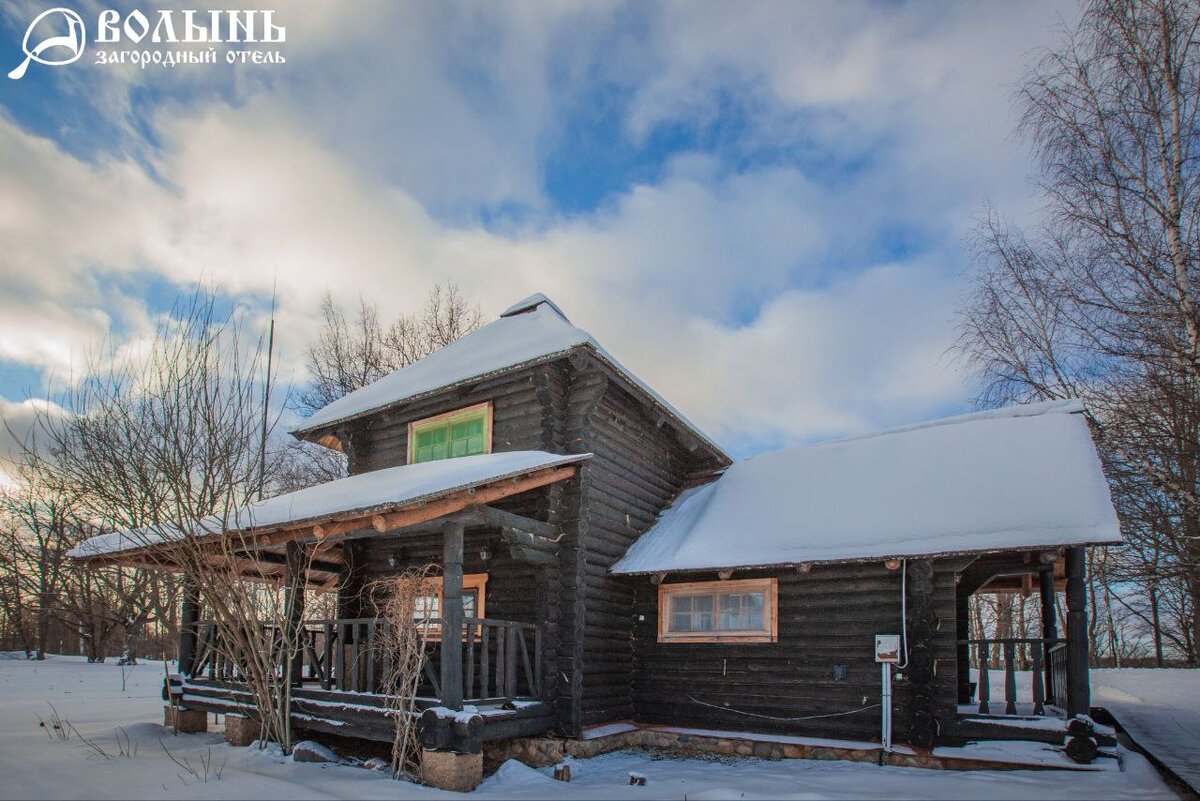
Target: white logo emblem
{"points": [[73, 41]]}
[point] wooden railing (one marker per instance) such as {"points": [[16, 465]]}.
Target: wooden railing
{"points": [[1057, 691], [501, 658], [1033, 652]]}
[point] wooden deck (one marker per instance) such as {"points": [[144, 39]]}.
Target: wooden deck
{"points": [[364, 715]]}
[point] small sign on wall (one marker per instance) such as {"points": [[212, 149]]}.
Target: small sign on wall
{"points": [[887, 648]]}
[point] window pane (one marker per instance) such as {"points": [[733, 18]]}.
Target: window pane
{"points": [[741, 611], [691, 613], [458, 437]]}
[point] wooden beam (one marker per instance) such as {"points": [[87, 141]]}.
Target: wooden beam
{"points": [[295, 577], [480, 515], [452, 616], [1078, 692], [1049, 622], [189, 617]]}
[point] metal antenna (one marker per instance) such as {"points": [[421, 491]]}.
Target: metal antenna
{"points": [[262, 445]]}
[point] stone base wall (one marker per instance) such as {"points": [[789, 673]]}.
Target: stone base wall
{"points": [[540, 752], [241, 730], [447, 770], [185, 721]]}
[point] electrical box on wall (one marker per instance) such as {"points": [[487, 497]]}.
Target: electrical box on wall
{"points": [[887, 648]]}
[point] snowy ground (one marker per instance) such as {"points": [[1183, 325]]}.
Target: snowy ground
{"points": [[91, 698]]}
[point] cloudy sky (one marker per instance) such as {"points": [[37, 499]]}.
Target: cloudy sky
{"points": [[761, 208]]}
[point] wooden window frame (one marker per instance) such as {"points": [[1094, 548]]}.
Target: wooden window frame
{"points": [[447, 417], [768, 586], [471, 581]]}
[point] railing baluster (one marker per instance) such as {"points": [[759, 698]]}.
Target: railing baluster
{"points": [[1039, 694], [484, 659], [469, 675], [985, 691], [501, 660], [341, 655], [1010, 678], [533, 693], [327, 648], [537, 662], [370, 656], [510, 662]]}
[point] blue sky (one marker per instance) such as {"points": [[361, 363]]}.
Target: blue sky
{"points": [[761, 208]]}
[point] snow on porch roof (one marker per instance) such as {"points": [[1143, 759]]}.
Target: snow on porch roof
{"points": [[527, 332], [360, 495], [1021, 477]]}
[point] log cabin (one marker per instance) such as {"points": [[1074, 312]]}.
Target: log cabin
{"points": [[604, 560]]}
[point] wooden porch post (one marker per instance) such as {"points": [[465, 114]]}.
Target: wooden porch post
{"points": [[189, 617], [962, 631], [295, 579], [1049, 623], [1078, 692], [452, 615]]}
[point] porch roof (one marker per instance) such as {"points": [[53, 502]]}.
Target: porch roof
{"points": [[386, 499], [1025, 477]]}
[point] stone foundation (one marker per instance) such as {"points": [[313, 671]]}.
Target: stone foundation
{"points": [[185, 721], [447, 770], [544, 751], [241, 730]]}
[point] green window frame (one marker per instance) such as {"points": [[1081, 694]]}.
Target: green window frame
{"points": [[465, 432]]}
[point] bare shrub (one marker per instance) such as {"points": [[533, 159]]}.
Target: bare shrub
{"points": [[400, 645]]}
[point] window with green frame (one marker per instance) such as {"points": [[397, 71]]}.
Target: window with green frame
{"points": [[463, 433]]}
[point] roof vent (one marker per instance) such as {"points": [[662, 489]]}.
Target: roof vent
{"points": [[530, 303]]}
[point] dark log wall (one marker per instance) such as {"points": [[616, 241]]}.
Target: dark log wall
{"points": [[637, 470], [527, 414], [529, 410], [827, 617], [566, 406]]}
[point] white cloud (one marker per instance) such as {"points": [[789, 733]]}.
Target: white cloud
{"points": [[755, 298]]}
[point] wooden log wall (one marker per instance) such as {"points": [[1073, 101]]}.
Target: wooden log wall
{"points": [[571, 405], [529, 410], [827, 621], [637, 471]]}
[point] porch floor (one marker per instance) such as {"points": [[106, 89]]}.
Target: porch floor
{"points": [[365, 715]]}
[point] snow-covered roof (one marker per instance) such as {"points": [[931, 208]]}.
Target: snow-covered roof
{"points": [[528, 332], [1022, 477], [360, 495]]}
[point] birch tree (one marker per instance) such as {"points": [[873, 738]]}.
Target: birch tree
{"points": [[1100, 300]]}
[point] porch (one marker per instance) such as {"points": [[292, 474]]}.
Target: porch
{"points": [[1023, 688], [482, 677], [336, 683]]}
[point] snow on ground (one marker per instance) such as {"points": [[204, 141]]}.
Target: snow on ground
{"points": [[91, 698]]}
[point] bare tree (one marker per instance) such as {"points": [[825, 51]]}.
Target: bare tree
{"points": [[351, 353], [165, 448], [1101, 301]]}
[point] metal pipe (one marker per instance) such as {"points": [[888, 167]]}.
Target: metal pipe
{"points": [[886, 718]]}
